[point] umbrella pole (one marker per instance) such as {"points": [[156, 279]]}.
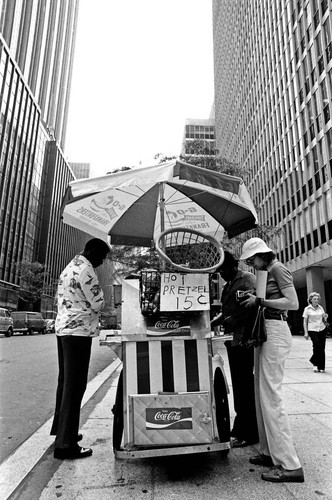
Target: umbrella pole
{"points": [[162, 213], [162, 206]]}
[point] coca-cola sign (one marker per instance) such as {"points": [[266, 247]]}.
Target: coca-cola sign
{"points": [[169, 418], [168, 324]]}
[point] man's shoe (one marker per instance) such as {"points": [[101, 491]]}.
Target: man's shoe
{"points": [[68, 453], [281, 475], [238, 443], [261, 459]]}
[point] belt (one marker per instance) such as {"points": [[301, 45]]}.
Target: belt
{"points": [[274, 315]]}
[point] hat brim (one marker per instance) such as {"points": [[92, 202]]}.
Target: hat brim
{"points": [[250, 253]]}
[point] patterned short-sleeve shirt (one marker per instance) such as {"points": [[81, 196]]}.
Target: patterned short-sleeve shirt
{"points": [[80, 298]]}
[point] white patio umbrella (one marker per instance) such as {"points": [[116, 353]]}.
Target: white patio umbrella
{"points": [[134, 206]]}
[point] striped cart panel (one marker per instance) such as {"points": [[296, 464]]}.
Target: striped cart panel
{"points": [[177, 365]]}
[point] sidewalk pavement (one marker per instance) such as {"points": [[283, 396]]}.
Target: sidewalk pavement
{"points": [[308, 397]]}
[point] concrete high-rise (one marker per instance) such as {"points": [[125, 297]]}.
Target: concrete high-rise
{"points": [[273, 108]]}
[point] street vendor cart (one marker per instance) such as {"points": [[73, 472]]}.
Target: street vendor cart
{"points": [[172, 392]]}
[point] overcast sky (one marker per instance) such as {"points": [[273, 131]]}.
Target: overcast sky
{"points": [[141, 68]]}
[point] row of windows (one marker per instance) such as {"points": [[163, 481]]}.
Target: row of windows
{"points": [[253, 98], [291, 190], [312, 240]]}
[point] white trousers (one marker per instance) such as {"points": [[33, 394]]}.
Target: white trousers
{"points": [[275, 438]]}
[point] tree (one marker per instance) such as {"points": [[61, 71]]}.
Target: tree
{"points": [[201, 155], [122, 169], [32, 276], [128, 260]]}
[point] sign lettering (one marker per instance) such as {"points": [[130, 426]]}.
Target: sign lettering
{"points": [[184, 292]]}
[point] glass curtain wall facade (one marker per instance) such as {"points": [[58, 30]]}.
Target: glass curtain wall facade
{"points": [[41, 37], [273, 106], [36, 53], [20, 172], [63, 241]]}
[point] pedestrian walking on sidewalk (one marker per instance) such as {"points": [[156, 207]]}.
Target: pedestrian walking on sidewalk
{"points": [[275, 439], [80, 299], [314, 324], [238, 321]]}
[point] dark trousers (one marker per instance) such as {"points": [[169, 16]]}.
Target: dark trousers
{"points": [[73, 357], [241, 363], [318, 343]]}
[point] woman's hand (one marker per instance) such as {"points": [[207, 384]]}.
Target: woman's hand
{"points": [[306, 336], [250, 300]]}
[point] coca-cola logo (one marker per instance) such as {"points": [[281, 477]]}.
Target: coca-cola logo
{"points": [[172, 324], [169, 418]]}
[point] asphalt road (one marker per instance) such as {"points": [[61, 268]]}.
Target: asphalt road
{"points": [[28, 377]]}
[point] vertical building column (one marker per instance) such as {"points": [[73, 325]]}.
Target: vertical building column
{"points": [[315, 283]]}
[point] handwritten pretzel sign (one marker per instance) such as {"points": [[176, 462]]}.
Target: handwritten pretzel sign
{"points": [[184, 292]]}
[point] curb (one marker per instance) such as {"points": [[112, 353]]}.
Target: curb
{"points": [[16, 467]]}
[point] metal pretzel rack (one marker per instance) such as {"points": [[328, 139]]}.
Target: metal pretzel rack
{"points": [[172, 392]]}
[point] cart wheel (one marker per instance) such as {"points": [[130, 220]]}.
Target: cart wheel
{"points": [[118, 415], [222, 408]]}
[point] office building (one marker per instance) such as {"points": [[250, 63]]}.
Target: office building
{"points": [[201, 130], [36, 52], [41, 36], [273, 107], [80, 170]]}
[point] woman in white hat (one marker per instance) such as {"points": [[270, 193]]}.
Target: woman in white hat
{"points": [[275, 439]]}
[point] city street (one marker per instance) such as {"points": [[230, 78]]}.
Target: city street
{"points": [[308, 398], [28, 371]]}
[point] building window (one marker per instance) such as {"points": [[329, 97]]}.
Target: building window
{"points": [[328, 40], [315, 236], [323, 7], [319, 50], [322, 234], [315, 13], [308, 242]]}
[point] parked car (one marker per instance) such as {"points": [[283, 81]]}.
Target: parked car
{"points": [[6, 322], [28, 322], [50, 325], [50, 317]]}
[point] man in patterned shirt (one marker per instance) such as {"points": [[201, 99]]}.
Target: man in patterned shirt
{"points": [[80, 299]]}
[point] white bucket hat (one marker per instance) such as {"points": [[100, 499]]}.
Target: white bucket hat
{"points": [[252, 247]]}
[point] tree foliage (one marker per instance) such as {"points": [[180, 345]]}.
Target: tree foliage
{"points": [[201, 155], [130, 260], [122, 169], [32, 276]]}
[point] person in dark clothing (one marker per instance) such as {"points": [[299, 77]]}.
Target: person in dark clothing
{"points": [[238, 320]]}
